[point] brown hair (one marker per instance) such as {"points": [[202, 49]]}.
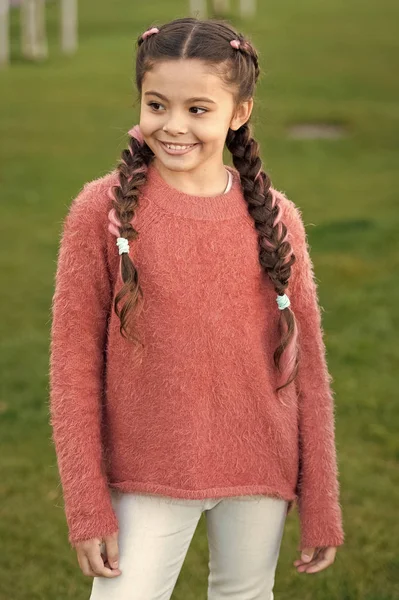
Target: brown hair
{"points": [[209, 40]]}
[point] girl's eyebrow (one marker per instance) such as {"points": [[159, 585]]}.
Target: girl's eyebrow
{"points": [[198, 99]]}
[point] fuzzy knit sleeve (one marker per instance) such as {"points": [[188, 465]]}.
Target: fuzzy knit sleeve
{"points": [[80, 305], [318, 500]]}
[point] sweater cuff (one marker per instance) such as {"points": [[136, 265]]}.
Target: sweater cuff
{"points": [[86, 526], [320, 527]]}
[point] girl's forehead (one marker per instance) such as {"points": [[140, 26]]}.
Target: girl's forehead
{"points": [[188, 77], [187, 69]]}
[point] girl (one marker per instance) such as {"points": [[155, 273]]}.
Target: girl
{"points": [[177, 384]]}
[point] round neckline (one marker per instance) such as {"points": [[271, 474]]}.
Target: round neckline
{"points": [[222, 206]]}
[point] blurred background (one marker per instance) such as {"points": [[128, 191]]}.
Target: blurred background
{"points": [[326, 115]]}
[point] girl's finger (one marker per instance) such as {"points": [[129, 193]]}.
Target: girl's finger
{"points": [[97, 565], [300, 563], [85, 565], [323, 563], [323, 560]]}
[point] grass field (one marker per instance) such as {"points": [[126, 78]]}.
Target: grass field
{"points": [[64, 122]]}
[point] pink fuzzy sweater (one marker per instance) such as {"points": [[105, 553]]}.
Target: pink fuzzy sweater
{"points": [[195, 415]]}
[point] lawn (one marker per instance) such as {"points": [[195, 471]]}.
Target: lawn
{"points": [[64, 122]]}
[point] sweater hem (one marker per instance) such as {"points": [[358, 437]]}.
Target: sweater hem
{"points": [[215, 492]]}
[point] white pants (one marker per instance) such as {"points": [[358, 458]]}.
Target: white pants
{"points": [[244, 538]]}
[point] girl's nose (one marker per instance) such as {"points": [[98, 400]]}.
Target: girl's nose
{"points": [[174, 128]]}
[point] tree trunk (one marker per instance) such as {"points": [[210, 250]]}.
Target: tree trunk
{"points": [[33, 29], [69, 26], [4, 32]]}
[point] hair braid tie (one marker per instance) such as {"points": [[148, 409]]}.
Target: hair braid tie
{"points": [[149, 32], [237, 44], [123, 245], [283, 301]]}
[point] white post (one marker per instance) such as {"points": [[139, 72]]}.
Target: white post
{"points": [[247, 8], [69, 26], [33, 29], [198, 9], [4, 32], [221, 6]]}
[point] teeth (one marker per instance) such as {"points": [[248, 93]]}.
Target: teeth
{"points": [[178, 147]]}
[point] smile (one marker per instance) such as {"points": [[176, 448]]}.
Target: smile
{"points": [[177, 148]]}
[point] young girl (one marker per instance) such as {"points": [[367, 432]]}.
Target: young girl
{"points": [[178, 384]]}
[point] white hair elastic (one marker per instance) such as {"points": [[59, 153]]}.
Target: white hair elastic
{"points": [[283, 301], [123, 245]]}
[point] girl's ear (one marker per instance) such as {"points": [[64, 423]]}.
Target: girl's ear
{"points": [[242, 114]]}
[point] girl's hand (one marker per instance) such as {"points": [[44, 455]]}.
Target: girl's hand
{"points": [[315, 559], [95, 563]]}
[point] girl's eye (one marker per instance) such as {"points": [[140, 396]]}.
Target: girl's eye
{"points": [[204, 109], [155, 104]]}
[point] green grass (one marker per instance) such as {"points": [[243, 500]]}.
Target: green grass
{"points": [[64, 122]]}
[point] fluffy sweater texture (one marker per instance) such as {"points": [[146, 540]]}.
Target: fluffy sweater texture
{"points": [[194, 414]]}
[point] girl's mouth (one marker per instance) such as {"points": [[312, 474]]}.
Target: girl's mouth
{"points": [[178, 148]]}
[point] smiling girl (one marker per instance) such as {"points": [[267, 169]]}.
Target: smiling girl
{"points": [[188, 370]]}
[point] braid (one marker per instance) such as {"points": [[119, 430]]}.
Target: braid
{"points": [[132, 170], [275, 252]]}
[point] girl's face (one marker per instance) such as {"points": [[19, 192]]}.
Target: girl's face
{"points": [[183, 103]]}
